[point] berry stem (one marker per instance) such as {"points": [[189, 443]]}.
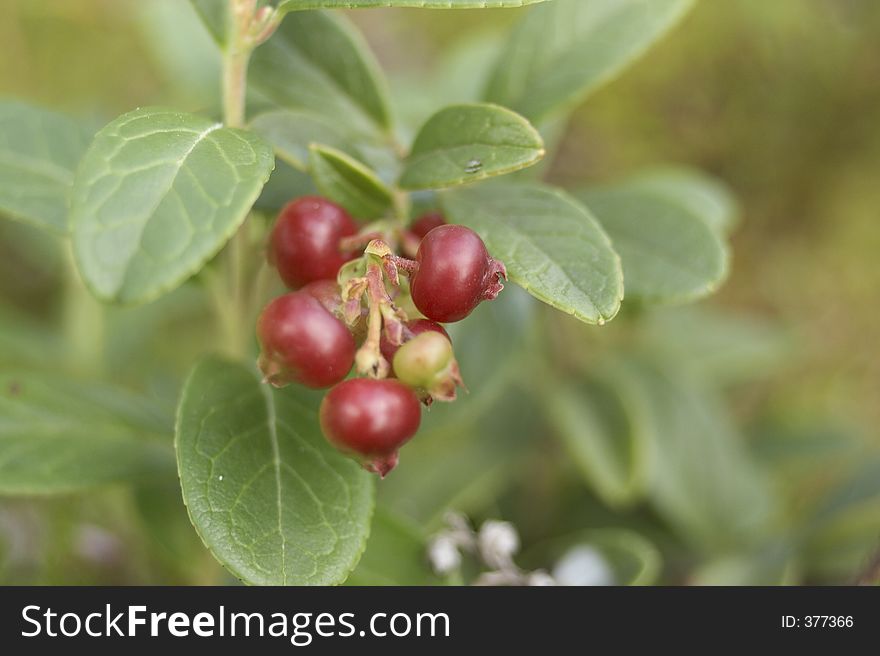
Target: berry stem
{"points": [[408, 267], [369, 357]]}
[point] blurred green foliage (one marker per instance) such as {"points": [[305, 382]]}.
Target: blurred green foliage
{"points": [[736, 438]]}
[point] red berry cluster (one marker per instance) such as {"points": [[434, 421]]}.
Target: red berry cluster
{"points": [[345, 311]]}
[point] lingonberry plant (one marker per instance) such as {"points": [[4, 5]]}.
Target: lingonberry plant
{"points": [[389, 230]]}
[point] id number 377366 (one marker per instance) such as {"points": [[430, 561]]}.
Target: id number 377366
{"points": [[817, 622]]}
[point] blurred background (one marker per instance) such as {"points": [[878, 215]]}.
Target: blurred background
{"points": [[766, 393]]}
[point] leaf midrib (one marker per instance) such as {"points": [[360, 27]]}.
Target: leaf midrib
{"points": [[178, 165], [271, 422]]}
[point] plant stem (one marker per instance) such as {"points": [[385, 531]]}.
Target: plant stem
{"points": [[83, 320], [233, 311], [235, 65]]}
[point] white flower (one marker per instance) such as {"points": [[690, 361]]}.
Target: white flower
{"points": [[498, 542], [443, 554], [583, 565]]}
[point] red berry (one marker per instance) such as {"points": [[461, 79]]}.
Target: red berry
{"points": [[426, 223], [302, 342], [370, 419], [305, 241], [455, 273], [410, 330]]}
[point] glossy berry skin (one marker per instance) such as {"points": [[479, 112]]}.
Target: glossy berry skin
{"points": [[302, 342], [455, 273], [304, 245], [427, 222], [412, 329], [370, 419]]}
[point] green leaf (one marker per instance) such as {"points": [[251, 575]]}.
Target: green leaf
{"points": [[768, 565], [395, 555], [39, 151], [551, 244], [699, 193], [700, 475], [348, 182], [317, 61], [466, 143], [158, 194], [721, 347], [669, 253], [271, 499], [291, 133], [294, 5], [563, 50], [60, 435], [841, 533], [597, 433]]}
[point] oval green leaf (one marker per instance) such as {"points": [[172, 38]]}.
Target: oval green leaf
{"points": [[317, 61], [551, 244], [594, 425], [348, 182], [669, 253], [467, 143], [701, 194], [39, 151], [271, 499], [159, 193], [60, 435], [701, 477], [564, 50]]}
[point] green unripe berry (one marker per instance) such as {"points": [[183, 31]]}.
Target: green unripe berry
{"points": [[427, 363], [424, 360]]}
